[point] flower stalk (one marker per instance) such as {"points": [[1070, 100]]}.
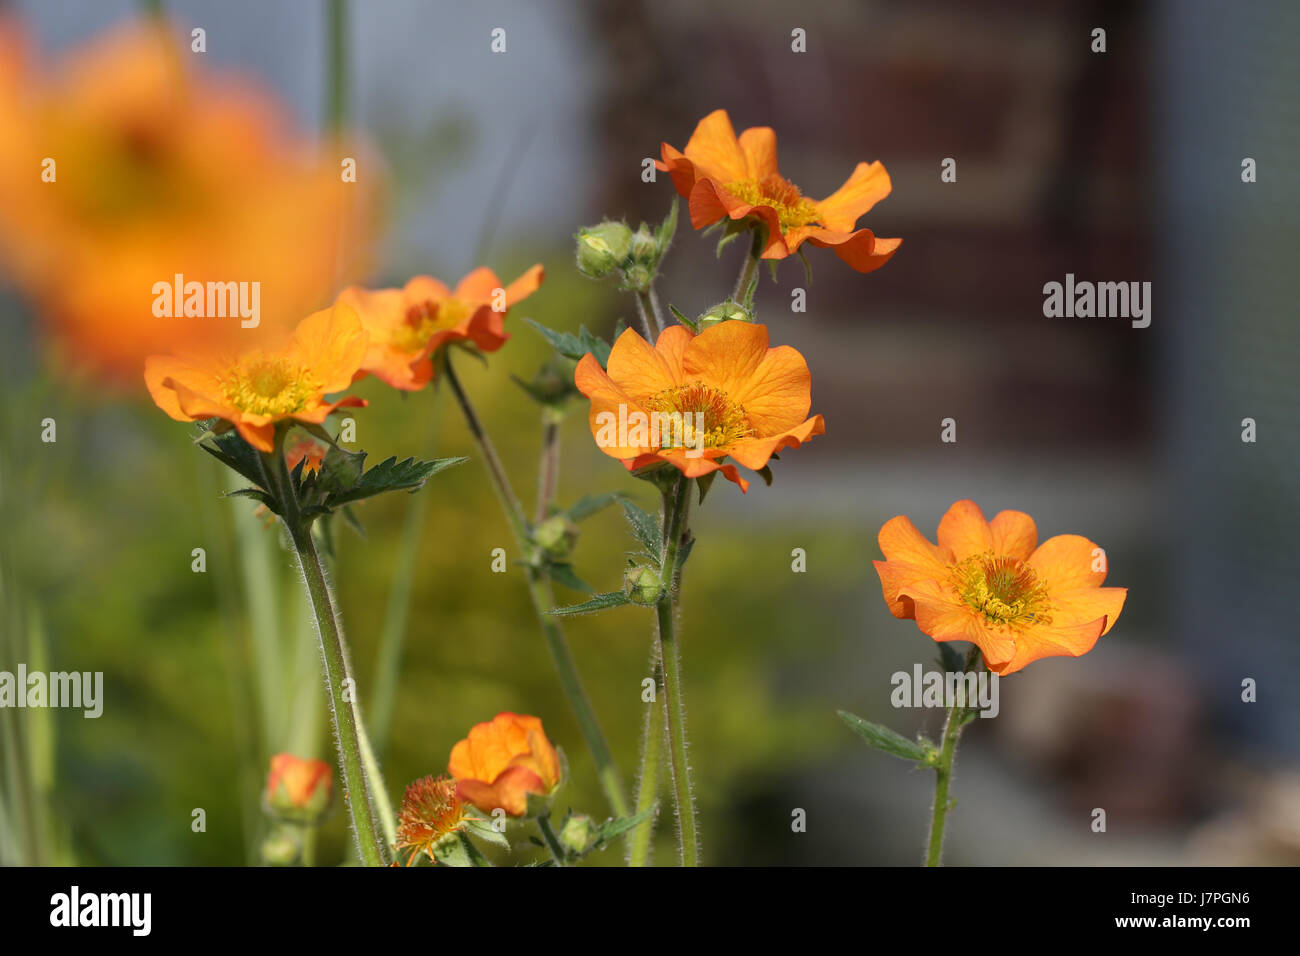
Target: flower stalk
{"points": [[958, 716]]}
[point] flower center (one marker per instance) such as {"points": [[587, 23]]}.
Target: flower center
{"points": [[269, 386], [792, 208], [1003, 589], [703, 412], [431, 812], [424, 319]]}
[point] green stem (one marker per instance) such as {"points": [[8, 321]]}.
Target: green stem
{"points": [[943, 771], [344, 711], [652, 747], [548, 475], [676, 506], [337, 77], [750, 264], [539, 590], [378, 790], [552, 844], [648, 309]]}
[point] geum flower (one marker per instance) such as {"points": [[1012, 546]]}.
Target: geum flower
{"points": [[254, 390], [502, 761], [407, 325], [431, 812], [724, 176], [991, 583], [298, 784], [734, 397]]}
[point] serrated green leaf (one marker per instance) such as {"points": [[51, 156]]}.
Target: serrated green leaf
{"points": [[391, 475], [236, 454], [563, 573], [618, 826], [574, 346], [882, 738], [644, 528], [257, 494], [597, 603]]}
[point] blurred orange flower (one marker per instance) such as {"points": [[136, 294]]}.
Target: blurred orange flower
{"points": [[734, 397], [431, 812], [502, 761], [409, 324], [725, 176], [124, 167], [297, 783], [992, 584], [255, 389], [306, 449]]}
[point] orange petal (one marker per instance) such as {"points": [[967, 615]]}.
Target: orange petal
{"points": [[637, 368], [714, 149], [841, 210], [690, 467], [758, 143], [332, 343], [754, 453], [964, 531], [726, 356], [671, 346], [1065, 562], [477, 286], [862, 250], [420, 289], [943, 617], [1085, 605], [525, 285], [778, 393], [1050, 641], [1014, 534]]}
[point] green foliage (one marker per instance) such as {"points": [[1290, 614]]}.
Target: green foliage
{"points": [[882, 738]]}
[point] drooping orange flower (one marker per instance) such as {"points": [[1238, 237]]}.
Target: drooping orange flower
{"points": [[431, 812], [253, 390], [297, 783], [693, 400], [125, 166], [502, 761], [724, 176], [991, 583], [409, 324]]}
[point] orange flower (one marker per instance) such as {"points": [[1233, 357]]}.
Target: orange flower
{"points": [[431, 812], [306, 449], [409, 324], [254, 390], [502, 761], [725, 176], [992, 584], [693, 400], [295, 783], [102, 197]]}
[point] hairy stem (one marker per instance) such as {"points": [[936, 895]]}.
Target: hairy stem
{"points": [[652, 748], [957, 715]]}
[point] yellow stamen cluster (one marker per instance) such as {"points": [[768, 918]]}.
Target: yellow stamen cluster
{"points": [[1005, 590], [431, 812], [422, 320], [269, 386], [792, 207], [724, 421]]}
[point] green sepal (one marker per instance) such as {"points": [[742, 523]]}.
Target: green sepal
{"points": [[685, 320], [704, 483]]}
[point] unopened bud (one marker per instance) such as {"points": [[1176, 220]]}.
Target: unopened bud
{"points": [[642, 585], [603, 248], [556, 536], [578, 833], [645, 247], [726, 311]]}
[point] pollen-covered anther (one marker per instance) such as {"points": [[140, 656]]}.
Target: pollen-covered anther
{"points": [[723, 421], [1005, 590], [792, 207], [269, 386]]}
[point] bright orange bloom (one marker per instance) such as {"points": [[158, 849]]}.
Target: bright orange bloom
{"points": [[255, 389], [728, 177], [124, 166], [992, 584], [733, 396], [409, 324], [502, 761], [431, 812], [299, 783]]}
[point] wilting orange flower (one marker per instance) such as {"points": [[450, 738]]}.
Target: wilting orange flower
{"points": [[296, 783], [733, 396], [502, 761], [124, 166], [255, 389], [431, 812], [409, 324], [991, 583], [725, 176]]}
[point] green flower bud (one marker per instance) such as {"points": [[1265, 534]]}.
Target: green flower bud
{"points": [[282, 846], [726, 311], [642, 585], [554, 380], [556, 536], [645, 247], [578, 833], [603, 248]]}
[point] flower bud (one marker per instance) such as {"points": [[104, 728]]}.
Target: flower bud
{"points": [[603, 248], [578, 833], [645, 247], [506, 763], [726, 311], [282, 847], [642, 585], [298, 789], [556, 535]]}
